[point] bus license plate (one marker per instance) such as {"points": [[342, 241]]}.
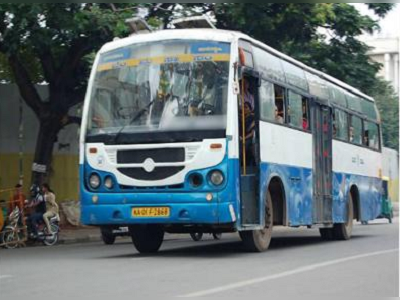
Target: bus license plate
{"points": [[145, 212]]}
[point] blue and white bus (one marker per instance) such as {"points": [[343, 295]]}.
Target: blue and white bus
{"points": [[205, 130]]}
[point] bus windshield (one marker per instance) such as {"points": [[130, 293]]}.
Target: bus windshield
{"points": [[163, 86]]}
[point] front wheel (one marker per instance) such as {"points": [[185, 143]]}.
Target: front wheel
{"points": [[259, 240], [10, 238], [147, 238], [107, 235]]}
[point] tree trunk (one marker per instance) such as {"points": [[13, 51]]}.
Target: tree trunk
{"points": [[46, 138]]}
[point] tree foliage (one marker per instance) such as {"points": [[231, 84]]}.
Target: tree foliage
{"points": [[55, 42], [388, 105], [51, 42]]}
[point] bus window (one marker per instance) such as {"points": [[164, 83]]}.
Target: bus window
{"points": [[295, 110], [279, 104], [267, 101], [356, 130], [306, 114], [340, 126], [371, 135]]}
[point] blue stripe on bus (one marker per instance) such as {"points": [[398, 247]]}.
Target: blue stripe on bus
{"points": [[297, 182], [298, 186]]}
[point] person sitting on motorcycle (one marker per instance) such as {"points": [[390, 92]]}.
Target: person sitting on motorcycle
{"points": [[17, 199], [37, 201], [51, 206]]}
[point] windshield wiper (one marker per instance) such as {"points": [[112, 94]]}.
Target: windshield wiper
{"points": [[135, 118]]}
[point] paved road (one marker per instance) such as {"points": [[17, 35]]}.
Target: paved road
{"points": [[298, 263]]}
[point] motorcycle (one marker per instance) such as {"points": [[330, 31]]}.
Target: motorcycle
{"points": [[197, 236], [16, 233]]}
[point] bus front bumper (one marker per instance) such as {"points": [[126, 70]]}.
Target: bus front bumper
{"points": [[105, 213]]}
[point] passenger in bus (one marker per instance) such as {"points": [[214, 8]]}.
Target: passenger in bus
{"points": [[351, 133], [305, 118], [249, 125], [366, 138], [278, 116], [247, 93]]}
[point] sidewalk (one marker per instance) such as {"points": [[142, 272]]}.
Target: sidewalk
{"points": [[80, 234]]}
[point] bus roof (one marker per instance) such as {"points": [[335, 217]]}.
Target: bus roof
{"points": [[223, 36]]}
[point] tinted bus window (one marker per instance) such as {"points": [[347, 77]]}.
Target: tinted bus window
{"points": [[356, 130], [267, 101], [279, 104], [306, 114], [371, 135], [340, 125], [295, 110]]}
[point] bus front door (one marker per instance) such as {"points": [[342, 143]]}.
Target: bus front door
{"points": [[251, 217], [322, 164]]}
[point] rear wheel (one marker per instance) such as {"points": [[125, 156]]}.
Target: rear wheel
{"points": [[107, 235], [343, 231], [52, 238], [259, 240], [147, 238], [196, 236]]}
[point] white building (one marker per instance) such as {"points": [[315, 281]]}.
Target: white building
{"points": [[387, 51]]}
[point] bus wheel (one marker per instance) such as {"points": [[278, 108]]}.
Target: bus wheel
{"points": [[147, 238], [259, 240], [343, 231], [107, 235]]}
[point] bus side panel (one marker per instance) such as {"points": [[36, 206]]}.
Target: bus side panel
{"points": [[297, 183], [287, 154], [359, 167]]}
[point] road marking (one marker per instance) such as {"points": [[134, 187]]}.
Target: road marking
{"points": [[5, 276], [283, 274]]}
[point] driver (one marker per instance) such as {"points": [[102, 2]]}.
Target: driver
{"points": [[37, 201]]}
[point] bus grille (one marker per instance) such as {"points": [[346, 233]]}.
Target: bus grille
{"points": [[161, 155], [159, 173]]}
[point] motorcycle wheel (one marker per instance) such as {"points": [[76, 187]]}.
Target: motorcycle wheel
{"points": [[10, 238], [217, 235], [196, 236], [51, 239]]}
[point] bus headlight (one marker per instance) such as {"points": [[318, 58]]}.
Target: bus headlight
{"points": [[195, 180], [94, 181], [108, 182], [216, 177]]}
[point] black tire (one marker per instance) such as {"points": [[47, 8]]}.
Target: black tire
{"points": [[147, 238], [343, 231], [53, 239], [259, 240], [10, 238], [196, 236], [107, 235], [326, 234], [217, 235]]}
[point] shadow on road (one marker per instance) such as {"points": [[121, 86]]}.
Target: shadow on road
{"points": [[228, 248]]}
